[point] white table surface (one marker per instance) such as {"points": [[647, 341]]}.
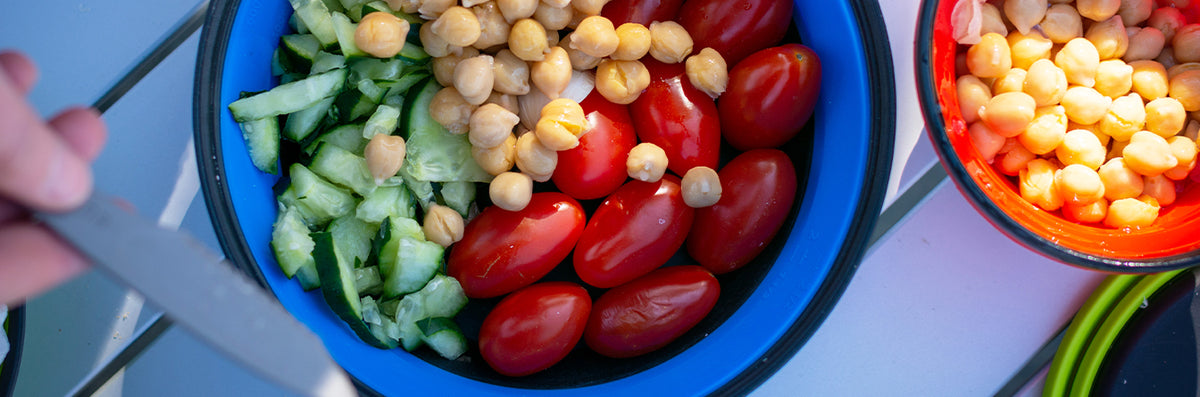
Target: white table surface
{"points": [[941, 305]]}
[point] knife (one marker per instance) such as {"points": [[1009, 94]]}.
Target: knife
{"points": [[203, 293]]}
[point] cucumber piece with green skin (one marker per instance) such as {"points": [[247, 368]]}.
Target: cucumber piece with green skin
{"points": [[372, 91], [433, 153], [290, 241], [421, 190], [289, 98], [297, 25], [414, 53], [443, 296], [318, 200], [308, 277], [262, 142], [316, 17], [343, 168], [337, 286], [443, 336], [301, 50], [279, 63], [348, 137], [459, 196], [386, 202], [367, 281], [353, 239], [387, 243], [324, 62], [410, 310], [353, 105], [383, 121], [301, 124], [416, 262], [382, 328], [344, 28], [379, 69]]}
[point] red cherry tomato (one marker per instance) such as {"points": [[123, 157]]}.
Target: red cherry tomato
{"points": [[771, 95], [736, 28], [677, 117], [651, 311], [596, 167], [640, 11], [534, 327], [634, 231], [502, 251], [758, 188]]}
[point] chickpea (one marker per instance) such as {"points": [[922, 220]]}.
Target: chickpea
{"points": [[381, 34], [451, 110], [1037, 185], [561, 124], [511, 74], [557, 3], [988, 143], [1079, 60], [1134, 12], [1081, 147], [405, 6], [1149, 154], [1098, 10], [991, 57], [1184, 150], [633, 42], [1126, 116], [701, 187], [669, 42], [972, 95], [1093, 129], [432, 9], [1079, 185], [1149, 79], [553, 18], [506, 101], [1025, 14], [493, 27], [443, 225], [1114, 78], [1144, 44], [1085, 105], [1167, 20], [552, 38], [1131, 213], [1047, 130], [1046, 83], [1160, 188], [1185, 87], [1166, 57], [708, 72], [474, 78], [579, 60], [527, 40], [1165, 117], [491, 124], [1009, 113], [385, 156], [1087, 213], [551, 74], [646, 162], [1109, 37], [498, 159], [1183, 67], [1027, 48], [515, 10], [621, 82], [443, 67], [1062, 23], [511, 191], [1120, 181], [458, 26], [993, 21], [1012, 81], [1116, 149], [589, 7], [535, 159], [595, 36], [1013, 158], [433, 44]]}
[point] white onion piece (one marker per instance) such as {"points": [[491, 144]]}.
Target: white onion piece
{"points": [[966, 21], [581, 85]]}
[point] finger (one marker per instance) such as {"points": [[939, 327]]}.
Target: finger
{"points": [[20, 69], [37, 168], [82, 130], [32, 260]]}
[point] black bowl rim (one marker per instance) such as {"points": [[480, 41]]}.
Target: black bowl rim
{"points": [[935, 129], [206, 110], [16, 339]]}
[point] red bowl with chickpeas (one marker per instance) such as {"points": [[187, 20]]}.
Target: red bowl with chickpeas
{"points": [[1070, 126]]}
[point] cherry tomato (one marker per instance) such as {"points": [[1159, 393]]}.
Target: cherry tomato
{"points": [[534, 327], [651, 311], [502, 251], [596, 167], [736, 28], [634, 231], [771, 95], [758, 188], [640, 11], [677, 117]]}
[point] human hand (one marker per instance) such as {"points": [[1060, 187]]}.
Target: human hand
{"points": [[44, 165]]}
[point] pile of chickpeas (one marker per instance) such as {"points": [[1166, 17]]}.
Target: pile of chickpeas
{"points": [[488, 54], [1092, 104]]}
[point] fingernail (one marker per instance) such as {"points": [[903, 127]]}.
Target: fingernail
{"points": [[68, 182]]}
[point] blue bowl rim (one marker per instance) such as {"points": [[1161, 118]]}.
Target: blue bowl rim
{"points": [[879, 73], [12, 362], [935, 129]]}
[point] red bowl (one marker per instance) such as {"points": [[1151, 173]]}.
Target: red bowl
{"points": [[1172, 242]]}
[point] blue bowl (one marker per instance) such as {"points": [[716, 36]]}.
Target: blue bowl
{"points": [[767, 310], [15, 326]]}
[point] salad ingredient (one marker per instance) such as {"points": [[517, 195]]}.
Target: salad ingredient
{"points": [[458, 26], [1098, 10], [492, 25], [514, 10], [443, 225], [490, 125], [384, 154], [450, 109], [553, 17], [1008, 113], [758, 189], [1109, 37], [736, 28], [647, 162], [1144, 44], [633, 42], [678, 118], [595, 168], [381, 34], [474, 78], [511, 74], [1148, 154], [1165, 117], [579, 59], [1161, 188], [621, 82], [511, 191], [1085, 105], [641, 12], [435, 45], [337, 286], [589, 7], [1037, 185], [535, 159], [1080, 60], [1132, 212], [595, 36], [1079, 184], [560, 125], [498, 159], [551, 74], [634, 231], [669, 42], [973, 94], [527, 40], [701, 187], [1119, 180], [707, 71], [1061, 23], [1185, 87], [434, 155], [989, 58], [771, 96], [534, 328], [502, 250], [651, 311], [443, 66], [1024, 14]]}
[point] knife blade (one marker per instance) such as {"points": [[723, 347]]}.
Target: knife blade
{"points": [[202, 293]]}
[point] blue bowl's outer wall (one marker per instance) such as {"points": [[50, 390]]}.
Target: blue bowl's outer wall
{"points": [[841, 163]]}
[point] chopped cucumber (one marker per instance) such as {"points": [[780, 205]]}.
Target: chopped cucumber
{"points": [[459, 196], [348, 137], [387, 244], [291, 243], [318, 201], [443, 336], [416, 262], [301, 124], [337, 286], [343, 168], [353, 238], [382, 122], [262, 140], [367, 281], [316, 18], [386, 202], [324, 62], [441, 297], [382, 328], [434, 154], [289, 98], [421, 190], [353, 105], [301, 50], [344, 28]]}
